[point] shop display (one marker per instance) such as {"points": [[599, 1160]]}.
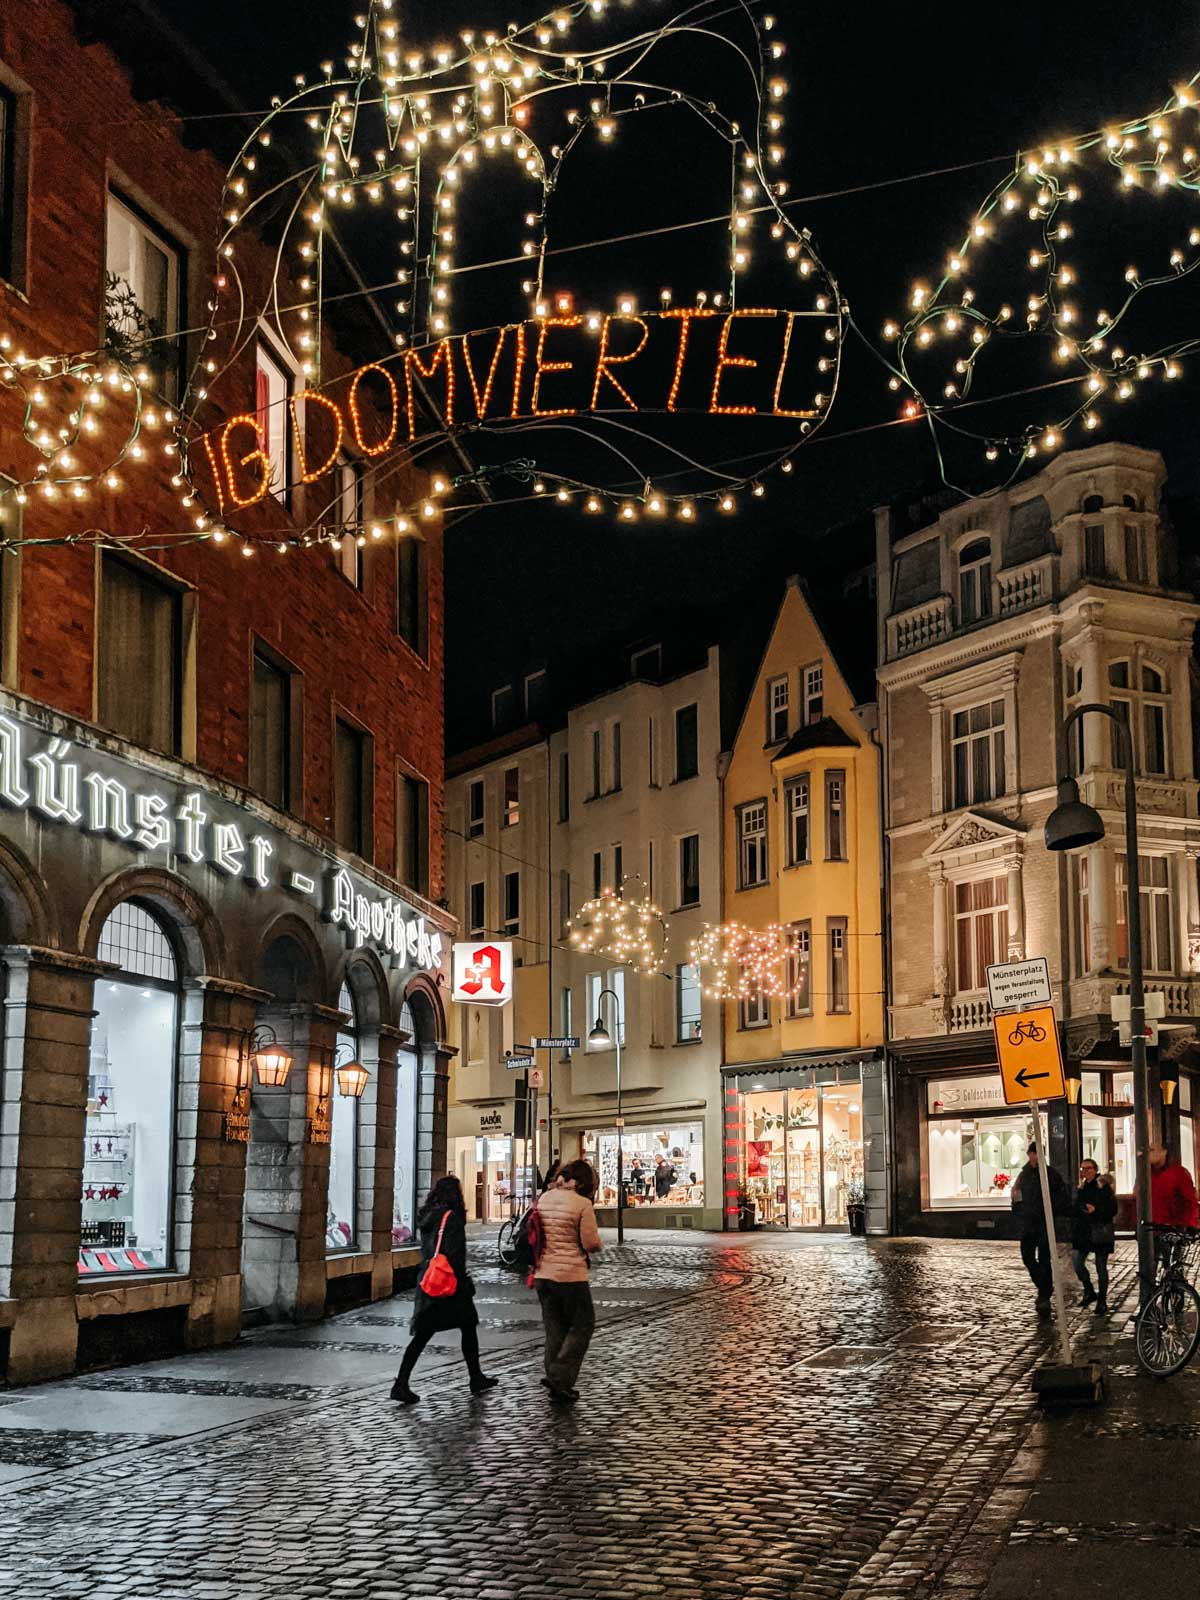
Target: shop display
{"points": [[802, 1154], [663, 1166], [340, 1228]]}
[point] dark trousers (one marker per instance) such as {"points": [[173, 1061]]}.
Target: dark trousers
{"points": [[1035, 1253], [1079, 1262], [569, 1319], [470, 1350]]}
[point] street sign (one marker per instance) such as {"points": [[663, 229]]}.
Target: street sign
{"points": [[537, 1078], [1016, 985], [1028, 1051], [518, 1063], [1121, 1006], [566, 1041]]}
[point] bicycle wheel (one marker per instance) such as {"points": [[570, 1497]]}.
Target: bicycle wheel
{"points": [[1167, 1330], [506, 1243]]}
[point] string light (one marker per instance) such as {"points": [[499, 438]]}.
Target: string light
{"points": [[625, 928]]}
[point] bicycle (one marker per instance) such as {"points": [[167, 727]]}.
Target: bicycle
{"points": [[1033, 1031], [1167, 1328], [506, 1242]]}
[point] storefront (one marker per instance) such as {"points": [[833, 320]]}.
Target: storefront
{"points": [[663, 1167], [493, 1169], [799, 1145]]}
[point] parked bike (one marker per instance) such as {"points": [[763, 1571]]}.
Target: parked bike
{"points": [[1167, 1329]]}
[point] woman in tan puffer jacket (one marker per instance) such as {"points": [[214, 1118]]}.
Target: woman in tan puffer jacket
{"points": [[572, 1238]]}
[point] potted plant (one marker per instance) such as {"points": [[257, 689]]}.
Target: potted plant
{"points": [[856, 1207], [747, 1216]]}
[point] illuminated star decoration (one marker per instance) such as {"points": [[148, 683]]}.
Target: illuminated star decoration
{"points": [[627, 929], [955, 328], [405, 134]]}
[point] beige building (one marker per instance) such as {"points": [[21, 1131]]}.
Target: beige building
{"points": [[995, 617]]}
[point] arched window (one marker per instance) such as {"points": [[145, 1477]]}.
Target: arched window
{"points": [[129, 1140], [1142, 703], [974, 582], [1094, 565], [404, 1187], [1093, 503], [341, 1232], [1129, 501]]}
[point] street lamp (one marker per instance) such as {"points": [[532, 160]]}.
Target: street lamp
{"points": [[1070, 826], [601, 1036]]}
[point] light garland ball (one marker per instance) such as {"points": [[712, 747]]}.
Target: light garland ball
{"points": [[626, 930]]}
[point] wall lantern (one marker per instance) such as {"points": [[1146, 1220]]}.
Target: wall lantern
{"points": [[271, 1061], [351, 1075]]}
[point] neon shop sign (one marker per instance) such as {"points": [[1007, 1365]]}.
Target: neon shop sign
{"points": [[54, 783]]}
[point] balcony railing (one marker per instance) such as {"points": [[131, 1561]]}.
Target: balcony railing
{"points": [[1022, 588], [919, 626], [969, 1013]]}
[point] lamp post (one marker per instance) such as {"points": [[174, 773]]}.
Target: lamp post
{"points": [[601, 1036], [1070, 826]]}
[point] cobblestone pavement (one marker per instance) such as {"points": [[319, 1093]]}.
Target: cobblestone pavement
{"points": [[761, 1418]]}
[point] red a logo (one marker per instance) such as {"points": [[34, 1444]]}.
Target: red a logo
{"points": [[485, 963]]}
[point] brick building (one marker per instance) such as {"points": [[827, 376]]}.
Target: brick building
{"points": [[220, 775]]}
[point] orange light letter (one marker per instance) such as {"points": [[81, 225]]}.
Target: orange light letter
{"points": [[787, 341], [723, 361], [259, 455], [316, 398], [551, 366], [356, 418], [481, 401], [442, 355], [604, 361], [685, 323]]}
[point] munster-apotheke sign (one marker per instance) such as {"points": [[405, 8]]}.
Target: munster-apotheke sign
{"points": [[55, 781]]}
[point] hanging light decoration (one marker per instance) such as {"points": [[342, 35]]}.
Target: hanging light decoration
{"points": [[626, 929]]}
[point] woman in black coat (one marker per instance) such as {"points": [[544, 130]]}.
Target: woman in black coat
{"points": [[439, 1313], [1092, 1230]]}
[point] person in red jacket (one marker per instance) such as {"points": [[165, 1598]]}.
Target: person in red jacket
{"points": [[1172, 1192]]}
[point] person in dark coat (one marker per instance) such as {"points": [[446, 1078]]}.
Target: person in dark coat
{"points": [[1031, 1219], [1092, 1230], [664, 1177], [440, 1313]]}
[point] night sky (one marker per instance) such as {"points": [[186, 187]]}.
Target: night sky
{"points": [[879, 93]]}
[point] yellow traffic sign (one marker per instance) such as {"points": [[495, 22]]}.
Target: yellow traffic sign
{"points": [[1027, 1049]]}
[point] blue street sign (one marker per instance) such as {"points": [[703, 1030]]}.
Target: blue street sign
{"points": [[567, 1041], [518, 1063]]}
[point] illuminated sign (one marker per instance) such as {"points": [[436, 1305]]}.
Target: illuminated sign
{"points": [[176, 823], [483, 972]]}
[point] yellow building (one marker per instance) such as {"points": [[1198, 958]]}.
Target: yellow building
{"points": [[803, 1088]]}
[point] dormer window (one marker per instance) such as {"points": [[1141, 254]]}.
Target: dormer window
{"points": [[974, 582]]}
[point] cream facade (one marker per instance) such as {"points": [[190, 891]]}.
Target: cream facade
{"points": [[994, 619]]}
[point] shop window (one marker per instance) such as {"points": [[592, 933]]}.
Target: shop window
{"points": [[564, 786], [754, 1010], [271, 691], [802, 1153], [974, 582], [687, 743], [597, 766], [341, 1230], [814, 694], [1187, 1126], [798, 967], [689, 870], [1083, 926], [1106, 1108], [687, 1003], [796, 811], [502, 706], [411, 600], [661, 1166], [353, 786], [140, 655], [273, 391], [143, 282], [511, 813], [477, 915], [777, 710], [404, 1174], [1154, 883], [346, 521], [839, 986], [598, 1008], [977, 753], [512, 905], [475, 809], [752, 844], [129, 1142], [15, 103], [1141, 703], [980, 930], [412, 832], [973, 1159], [835, 816]]}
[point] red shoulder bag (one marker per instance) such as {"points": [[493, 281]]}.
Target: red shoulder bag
{"points": [[439, 1278]]}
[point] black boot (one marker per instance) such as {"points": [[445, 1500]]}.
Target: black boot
{"points": [[481, 1384], [1089, 1295], [402, 1393]]}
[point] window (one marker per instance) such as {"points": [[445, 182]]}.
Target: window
{"points": [[652, 752], [616, 757], [597, 874], [475, 809], [404, 1175], [687, 746], [565, 1018], [662, 1164], [270, 730], [650, 868], [353, 761], [1093, 550], [564, 899], [412, 832], [564, 787], [1083, 926], [689, 870], [341, 1230], [798, 966], [511, 813], [1154, 722], [410, 593], [535, 694], [1154, 883], [14, 184], [814, 694], [502, 706], [687, 1003], [1144, 712], [347, 523], [754, 1010], [980, 930], [1074, 688], [142, 290], [273, 388], [974, 1158], [835, 816], [795, 805], [597, 765], [128, 1139], [512, 904], [140, 665], [974, 582], [777, 710], [646, 663], [602, 1009], [977, 753], [839, 988], [1136, 565], [477, 909], [618, 871], [752, 844]]}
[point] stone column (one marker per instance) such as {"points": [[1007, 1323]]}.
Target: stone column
{"points": [[377, 1153], [1097, 737], [48, 1011], [210, 1170], [1099, 908], [1016, 911], [1191, 908], [941, 949]]}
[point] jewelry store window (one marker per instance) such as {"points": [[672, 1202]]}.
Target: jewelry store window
{"points": [[975, 1146], [663, 1166], [129, 1141], [1106, 1104], [341, 1232]]}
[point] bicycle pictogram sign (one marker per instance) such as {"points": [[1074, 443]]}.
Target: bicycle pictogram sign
{"points": [[1027, 1049]]}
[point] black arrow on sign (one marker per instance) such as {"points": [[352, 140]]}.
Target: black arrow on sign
{"points": [[1025, 1077]]}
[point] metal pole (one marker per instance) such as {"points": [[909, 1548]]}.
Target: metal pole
{"points": [[1060, 1303], [1137, 1028], [620, 1136]]}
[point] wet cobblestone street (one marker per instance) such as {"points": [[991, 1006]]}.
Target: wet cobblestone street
{"points": [[760, 1419]]}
